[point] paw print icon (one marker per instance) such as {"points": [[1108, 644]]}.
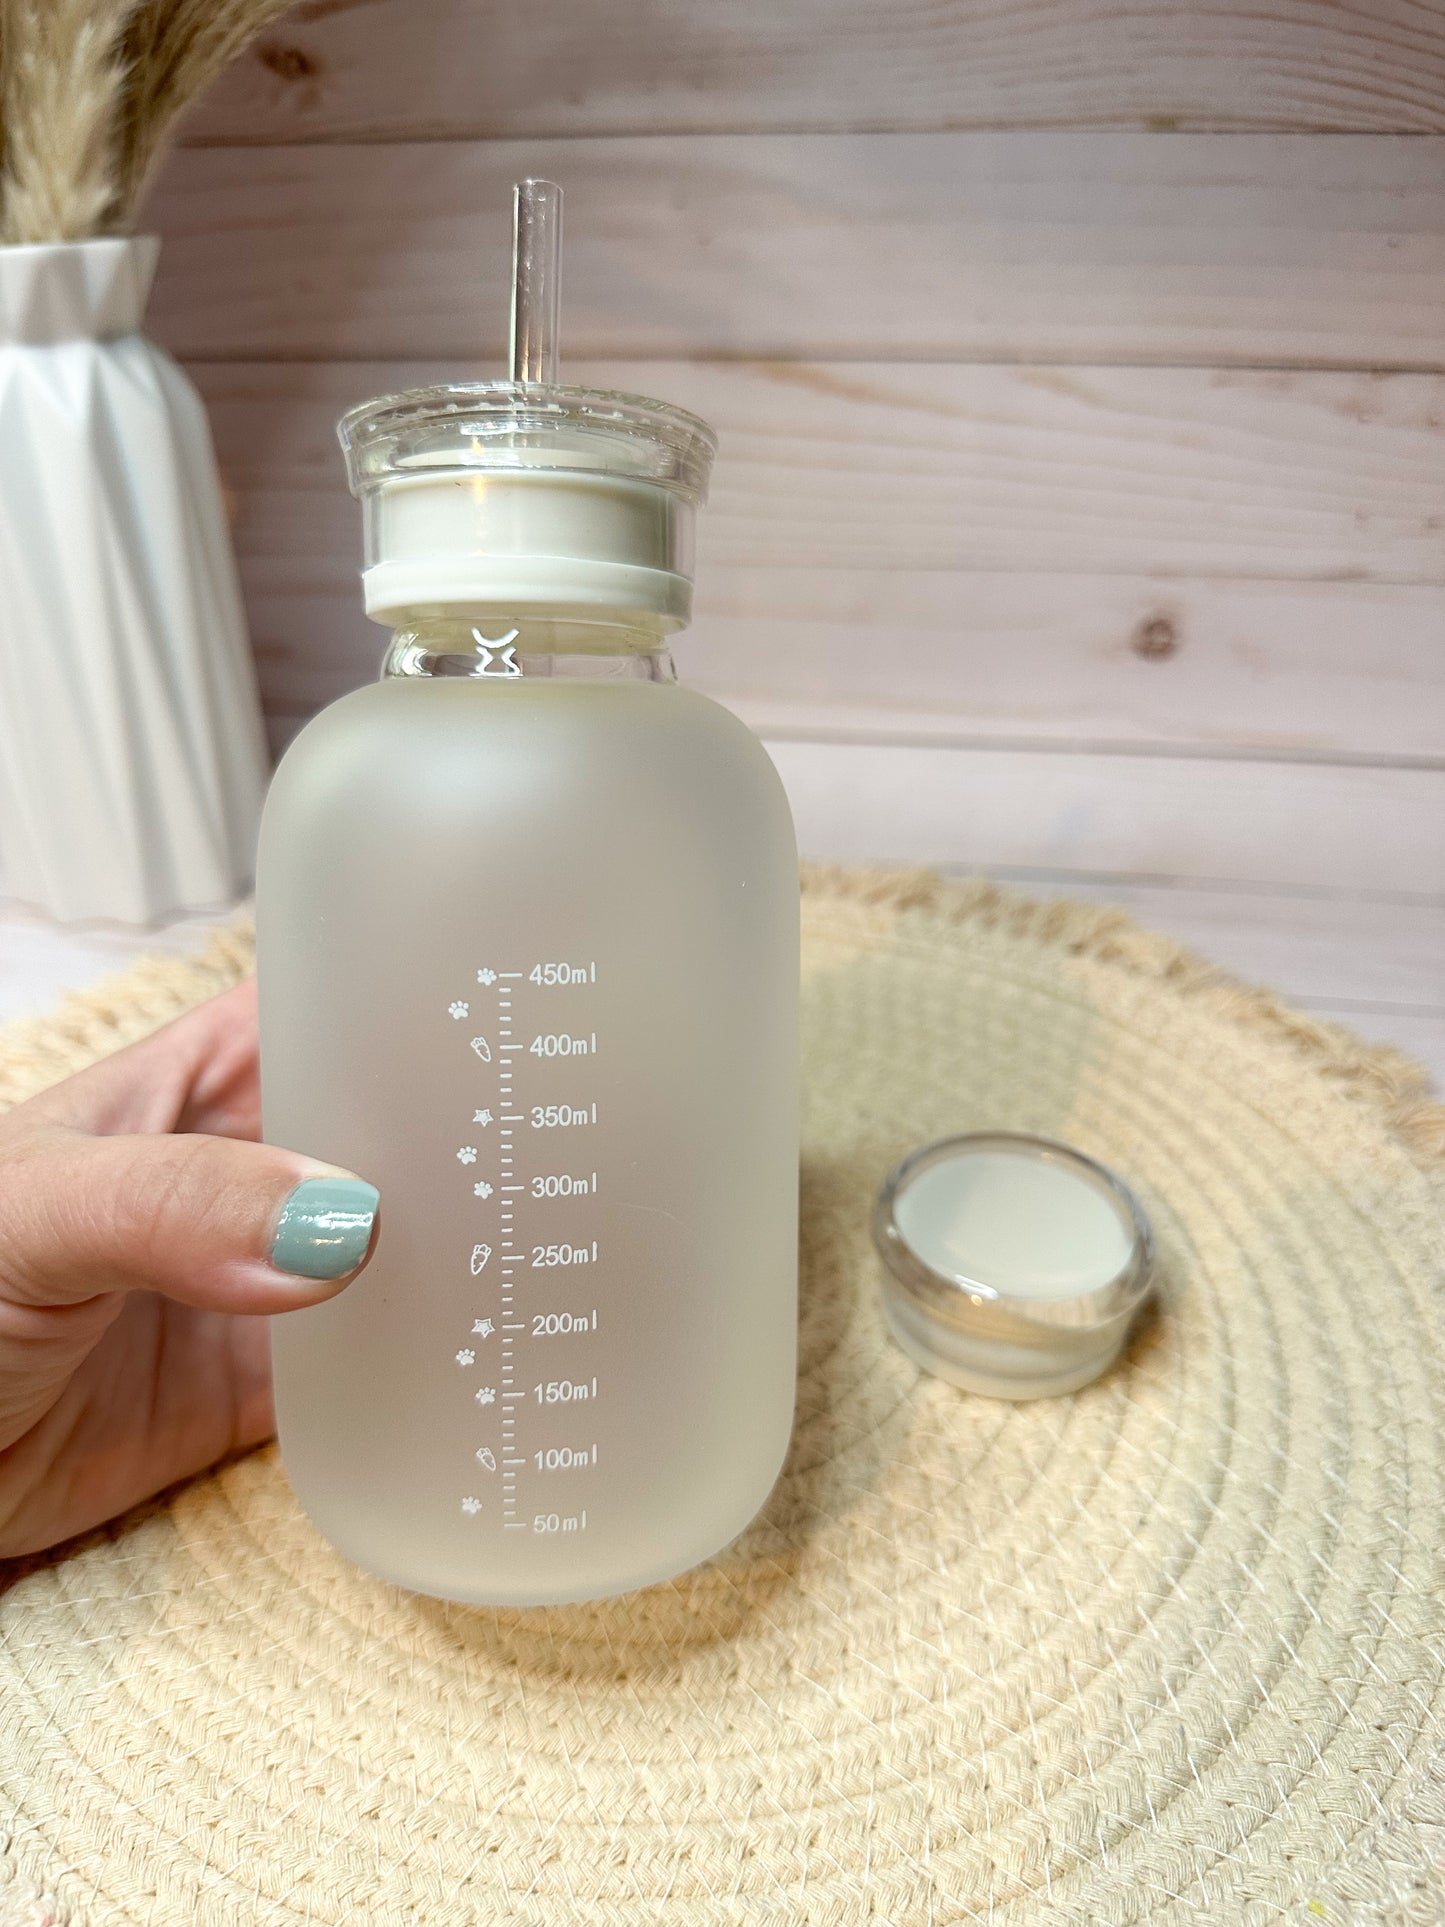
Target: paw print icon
{"points": [[467, 1154], [458, 1009], [471, 1506], [486, 976]]}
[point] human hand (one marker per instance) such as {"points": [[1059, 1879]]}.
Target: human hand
{"points": [[143, 1236]]}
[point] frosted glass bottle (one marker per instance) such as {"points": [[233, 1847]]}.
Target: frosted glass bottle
{"points": [[527, 917]]}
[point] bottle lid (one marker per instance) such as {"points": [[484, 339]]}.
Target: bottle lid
{"points": [[523, 493], [1015, 1266], [490, 493]]}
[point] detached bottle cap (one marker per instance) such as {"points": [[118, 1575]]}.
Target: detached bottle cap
{"points": [[1015, 1265], [523, 493]]}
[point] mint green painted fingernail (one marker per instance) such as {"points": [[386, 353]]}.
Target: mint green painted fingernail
{"points": [[325, 1227]]}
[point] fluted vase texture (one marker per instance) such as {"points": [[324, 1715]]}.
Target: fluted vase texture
{"points": [[132, 758]]}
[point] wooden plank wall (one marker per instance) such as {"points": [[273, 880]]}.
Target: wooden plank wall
{"points": [[1080, 370]]}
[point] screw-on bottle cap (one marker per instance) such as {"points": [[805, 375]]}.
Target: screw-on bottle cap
{"points": [[1015, 1265], [529, 497], [522, 494]]}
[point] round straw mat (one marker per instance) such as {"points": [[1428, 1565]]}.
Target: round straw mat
{"points": [[1169, 1650]]}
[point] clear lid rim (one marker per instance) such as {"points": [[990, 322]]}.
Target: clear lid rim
{"points": [[533, 409], [981, 1310]]}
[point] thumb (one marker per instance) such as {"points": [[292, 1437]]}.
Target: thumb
{"points": [[219, 1223]]}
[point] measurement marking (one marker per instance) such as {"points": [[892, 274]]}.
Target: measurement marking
{"points": [[510, 973], [514, 1187], [514, 1116], [514, 1328], [514, 1395]]}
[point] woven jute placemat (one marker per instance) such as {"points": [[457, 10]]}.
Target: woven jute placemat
{"points": [[1170, 1650]]}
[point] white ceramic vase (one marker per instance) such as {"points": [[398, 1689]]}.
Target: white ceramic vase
{"points": [[132, 760]]}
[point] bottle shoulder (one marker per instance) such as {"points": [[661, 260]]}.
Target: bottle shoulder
{"points": [[390, 733], [401, 712]]}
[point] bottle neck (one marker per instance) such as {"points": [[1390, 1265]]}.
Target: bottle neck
{"points": [[503, 648]]}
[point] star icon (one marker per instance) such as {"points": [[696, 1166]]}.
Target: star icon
{"points": [[465, 1357], [486, 976], [467, 1154], [482, 1190], [481, 1117], [487, 1395], [458, 1009], [471, 1506], [483, 1327]]}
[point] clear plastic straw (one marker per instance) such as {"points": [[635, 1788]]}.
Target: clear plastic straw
{"points": [[536, 280]]}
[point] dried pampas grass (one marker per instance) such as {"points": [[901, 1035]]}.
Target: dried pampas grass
{"points": [[90, 90]]}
